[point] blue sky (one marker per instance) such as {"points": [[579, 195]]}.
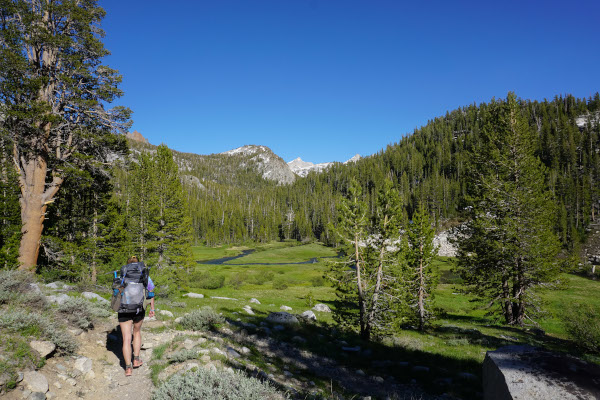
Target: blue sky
{"points": [[326, 79]]}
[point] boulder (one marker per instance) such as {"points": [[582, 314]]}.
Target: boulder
{"points": [[222, 298], [44, 348], [525, 372], [255, 301], [83, 364], [321, 307], [35, 381], [285, 308], [55, 285], [248, 310], [59, 299], [282, 318], [355, 349], [309, 315], [166, 313], [91, 296], [34, 287], [194, 295]]}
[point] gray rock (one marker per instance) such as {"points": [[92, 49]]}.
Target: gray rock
{"points": [[35, 381], [44, 348], [55, 285], [58, 299], [285, 308], [94, 296], [309, 315], [248, 310], [222, 298], [255, 301], [194, 295], [34, 287], [279, 328], [83, 364], [525, 372], [282, 318], [245, 350], [232, 353], [321, 307], [166, 313], [298, 339]]}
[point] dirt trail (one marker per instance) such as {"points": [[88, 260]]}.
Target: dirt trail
{"points": [[107, 377]]}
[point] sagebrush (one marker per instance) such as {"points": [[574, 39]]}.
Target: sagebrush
{"points": [[202, 319]]}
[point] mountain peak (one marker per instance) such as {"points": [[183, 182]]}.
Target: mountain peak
{"points": [[353, 159], [136, 136]]}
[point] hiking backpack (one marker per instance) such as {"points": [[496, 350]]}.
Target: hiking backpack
{"points": [[134, 279]]}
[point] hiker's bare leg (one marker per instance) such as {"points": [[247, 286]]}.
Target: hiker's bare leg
{"points": [[137, 338], [126, 328]]}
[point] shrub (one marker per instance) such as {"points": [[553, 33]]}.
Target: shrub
{"points": [[206, 280], [280, 284], [183, 355], [237, 280], [81, 313], [207, 384], [261, 277], [32, 324], [317, 281], [202, 319], [13, 283], [583, 324]]}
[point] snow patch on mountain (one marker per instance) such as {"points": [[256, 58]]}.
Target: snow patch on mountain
{"points": [[303, 168]]}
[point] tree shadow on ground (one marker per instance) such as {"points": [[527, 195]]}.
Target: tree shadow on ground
{"points": [[322, 353]]}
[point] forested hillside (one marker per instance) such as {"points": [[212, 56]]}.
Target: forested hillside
{"points": [[427, 166]]}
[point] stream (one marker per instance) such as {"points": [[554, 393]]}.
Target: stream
{"points": [[221, 261]]}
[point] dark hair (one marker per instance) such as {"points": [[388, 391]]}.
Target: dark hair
{"points": [[132, 259]]}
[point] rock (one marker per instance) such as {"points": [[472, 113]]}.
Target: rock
{"points": [[51, 395], [245, 350], [248, 310], [232, 353], [90, 375], [166, 313], [188, 344], [44, 348], [525, 372], [71, 381], [287, 373], [255, 301], [35, 288], [205, 358], [194, 295], [229, 370], [321, 307], [298, 339], [218, 351], [285, 308], [55, 285], [309, 315], [59, 299], [91, 296], [37, 396], [418, 369], [360, 372], [279, 328], [222, 298], [355, 349], [26, 393], [282, 318], [57, 385], [83, 364], [178, 320], [377, 379], [35, 381]]}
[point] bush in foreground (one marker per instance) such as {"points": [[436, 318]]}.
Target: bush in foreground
{"points": [[202, 319], [207, 384], [81, 313], [583, 324]]}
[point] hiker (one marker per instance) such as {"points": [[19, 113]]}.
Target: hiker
{"points": [[131, 314]]}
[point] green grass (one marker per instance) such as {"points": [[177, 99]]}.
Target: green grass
{"points": [[287, 254]]}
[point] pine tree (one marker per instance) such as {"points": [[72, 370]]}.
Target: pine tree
{"points": [[508, 246], [10, 216], [419, 252], [53, 89]]}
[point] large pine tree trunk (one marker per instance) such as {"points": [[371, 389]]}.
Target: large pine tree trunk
{"points": [[35, 197], [33, 207]]}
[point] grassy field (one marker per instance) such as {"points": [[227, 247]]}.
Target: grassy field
{"points": [[457, 339]]}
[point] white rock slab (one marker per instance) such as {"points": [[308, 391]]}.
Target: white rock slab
{"points": [[194, 295], [92, 296], [321, 307]]}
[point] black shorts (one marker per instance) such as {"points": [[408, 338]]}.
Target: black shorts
{"points": [[124, 317]]}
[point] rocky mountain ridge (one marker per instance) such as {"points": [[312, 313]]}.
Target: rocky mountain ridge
{"points": [[303, 168]]}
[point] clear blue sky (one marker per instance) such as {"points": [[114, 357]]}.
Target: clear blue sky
{"points": [[326, 79]]}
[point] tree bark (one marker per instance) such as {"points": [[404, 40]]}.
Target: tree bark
{"points": [[35, 198]]}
